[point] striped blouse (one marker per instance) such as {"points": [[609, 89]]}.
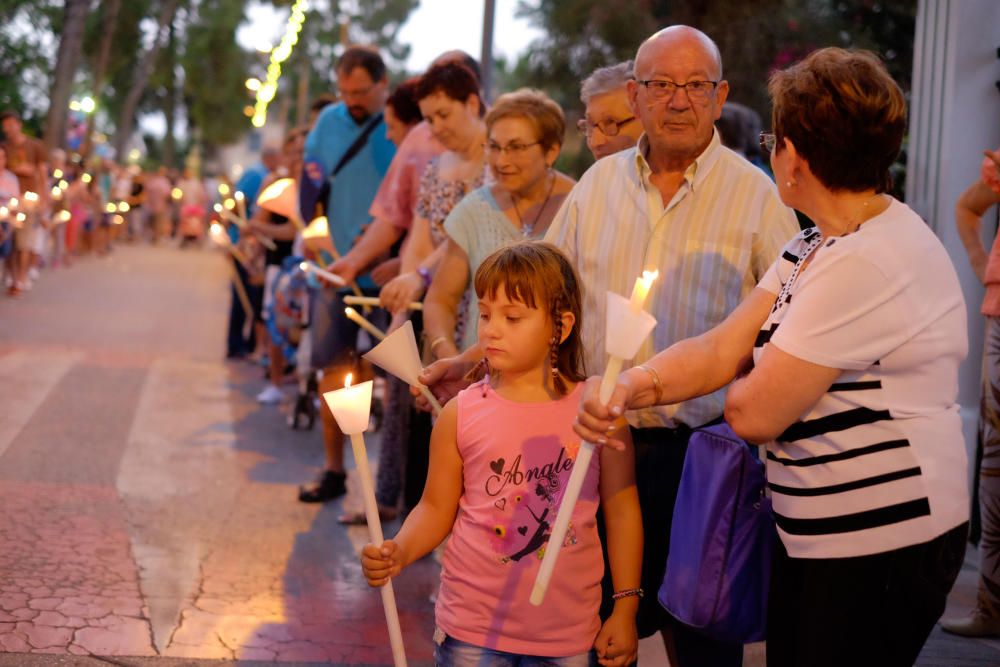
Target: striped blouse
{"points": [[879, 462]]}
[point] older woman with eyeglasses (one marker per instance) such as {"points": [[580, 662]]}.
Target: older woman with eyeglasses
{"points": [[843, 361], [524, 136]]}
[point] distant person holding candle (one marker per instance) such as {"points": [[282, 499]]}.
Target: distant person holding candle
{"points": [[843, 361], [9, 189], [501, 454], [282, 232], [711, 223], [26, 158]]}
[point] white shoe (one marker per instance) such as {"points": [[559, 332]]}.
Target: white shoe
{"points": [[271, 394], [33, 273]]}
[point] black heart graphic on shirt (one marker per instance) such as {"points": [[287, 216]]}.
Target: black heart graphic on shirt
{"points": [[523, 530], [497, 466]]}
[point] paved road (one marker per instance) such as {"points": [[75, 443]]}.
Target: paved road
{"points": [[147, 512]]}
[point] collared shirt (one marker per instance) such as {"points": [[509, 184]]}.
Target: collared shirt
{"points": [[711, 243], [397, 196], [354, 187]]}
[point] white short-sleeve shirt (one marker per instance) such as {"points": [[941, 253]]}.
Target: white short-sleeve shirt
{"points": [[879, 462]]}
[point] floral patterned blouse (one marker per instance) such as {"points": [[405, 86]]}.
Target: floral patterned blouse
{"points": [[435, 199]]}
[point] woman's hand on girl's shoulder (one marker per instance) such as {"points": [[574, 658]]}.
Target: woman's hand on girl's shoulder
{"points": [[381, 563], [617, 643]]}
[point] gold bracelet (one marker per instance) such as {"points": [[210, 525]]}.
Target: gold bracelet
{"points": [[657, 386]]}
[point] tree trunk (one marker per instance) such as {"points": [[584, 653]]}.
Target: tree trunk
{"points": [[110, 21], [141, 78], [170, 104], [67, 60]]}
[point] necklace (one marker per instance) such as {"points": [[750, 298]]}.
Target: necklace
{"points": [[528, 230], [861, 215]]}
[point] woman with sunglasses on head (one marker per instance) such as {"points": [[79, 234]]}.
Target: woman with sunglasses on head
{"points": [[524, 136], [843, 361]]}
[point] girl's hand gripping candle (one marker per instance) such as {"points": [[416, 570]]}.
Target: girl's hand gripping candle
{"points": [[351, 407]]}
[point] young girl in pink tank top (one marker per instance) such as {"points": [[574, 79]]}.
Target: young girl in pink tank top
{"points": [[501, 455]]}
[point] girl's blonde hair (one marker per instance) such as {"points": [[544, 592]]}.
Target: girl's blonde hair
{"points": [[538, 275]]}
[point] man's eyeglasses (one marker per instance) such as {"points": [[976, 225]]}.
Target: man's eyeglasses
{"points": [[609, 128], [359, 92], [767, 142], [514, 148], [697, 91]]}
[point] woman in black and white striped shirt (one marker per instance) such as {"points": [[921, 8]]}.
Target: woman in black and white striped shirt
{"points": [[853, 340]]}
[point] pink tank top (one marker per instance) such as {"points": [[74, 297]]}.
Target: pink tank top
{"points": [[516, 460]]}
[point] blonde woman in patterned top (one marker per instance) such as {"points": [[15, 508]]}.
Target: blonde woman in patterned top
{"points": [[525, 134]]}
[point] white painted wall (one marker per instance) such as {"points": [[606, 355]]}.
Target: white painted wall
{"points": [[954, 116]]}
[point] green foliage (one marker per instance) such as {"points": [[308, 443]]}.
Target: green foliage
{"points": [[215, 69], [754, 37], [26, 56]]}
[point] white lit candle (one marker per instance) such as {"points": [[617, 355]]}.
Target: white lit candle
{"points": [[351, 407], [310, 267], [353, 300], [241, 204], [631, 319], [641, 289], [360, 320]]}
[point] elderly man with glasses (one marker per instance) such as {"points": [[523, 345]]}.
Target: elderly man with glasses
{"points": [[608, 123], [711, 223]]}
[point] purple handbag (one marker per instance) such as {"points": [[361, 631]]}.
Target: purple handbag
{"points": [[719, 566]]}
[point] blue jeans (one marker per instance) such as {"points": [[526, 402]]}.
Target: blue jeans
{"points": [[454, 653]]}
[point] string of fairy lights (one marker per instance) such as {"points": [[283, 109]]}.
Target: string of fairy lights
{"points": [[269, 87]]}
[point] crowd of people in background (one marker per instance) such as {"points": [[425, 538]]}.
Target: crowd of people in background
{"points": [[56, 207], [449, 209]]}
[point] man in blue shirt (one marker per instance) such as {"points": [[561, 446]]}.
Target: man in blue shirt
{"points": [[361, 78]]}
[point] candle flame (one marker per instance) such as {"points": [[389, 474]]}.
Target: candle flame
{"points": [[30, 196], [223, 189], [123, 207], [318, 228], [64, 216], [304, 266], [176, 193], [216, 230], [350, 312], [217, 208], [230, 204], [347, 380], [110, 207], [238, 195], [86, 178], [649, 276], [57, 173]]}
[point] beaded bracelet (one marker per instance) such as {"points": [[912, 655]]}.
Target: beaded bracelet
{"points": [[628, 592], [657, 386]]}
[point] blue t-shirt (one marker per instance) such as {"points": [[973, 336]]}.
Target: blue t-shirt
{"points": [[357, 182], [249, 184]]}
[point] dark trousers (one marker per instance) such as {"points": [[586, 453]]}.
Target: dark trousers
{"points": [[659, 461], [868, 611], [236, 344]]}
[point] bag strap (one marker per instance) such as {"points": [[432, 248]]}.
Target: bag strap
{"points": [[358, 144]]}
